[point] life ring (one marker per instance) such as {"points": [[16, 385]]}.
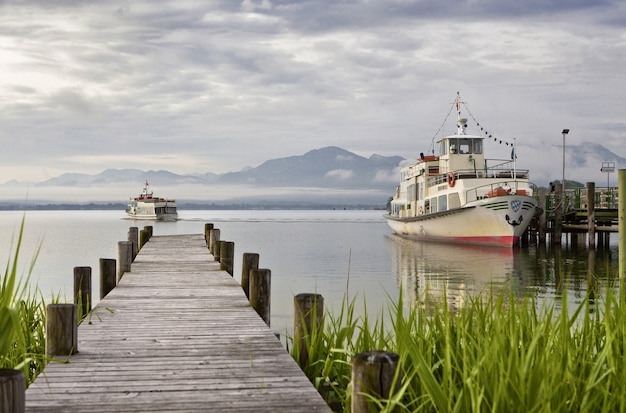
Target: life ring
{"points": [[451, 179]]}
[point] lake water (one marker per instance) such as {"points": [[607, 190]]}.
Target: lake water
{"points": [[335, 253]]}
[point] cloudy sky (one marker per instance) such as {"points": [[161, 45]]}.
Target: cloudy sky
{"points": [[218, 85]]}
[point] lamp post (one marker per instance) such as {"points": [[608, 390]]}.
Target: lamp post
{"points": [[565, 132]]}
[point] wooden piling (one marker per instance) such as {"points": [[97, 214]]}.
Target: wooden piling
{"points": [[249, 262], [558, 215], [227, 256], [307, 317], [207, 232], [621, 220], [542, 218], [61, 329], [373, 375], [124, 257], [213, 240], [144, 237], [82, 289], [260, 292], [133, 237], [12, 391], [150, 230], [108, 278], [591, 214]]}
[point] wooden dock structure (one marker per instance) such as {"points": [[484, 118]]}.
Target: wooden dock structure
{"points": [[177, 334]]}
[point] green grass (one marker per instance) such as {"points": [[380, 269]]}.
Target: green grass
{"points": [[22, 319], [497, 353]]}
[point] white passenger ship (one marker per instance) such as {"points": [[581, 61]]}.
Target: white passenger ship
{"points": [[460, 196], [147, 207]]}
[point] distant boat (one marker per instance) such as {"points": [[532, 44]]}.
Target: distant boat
{"points": [[460, 196], [148, 207]]}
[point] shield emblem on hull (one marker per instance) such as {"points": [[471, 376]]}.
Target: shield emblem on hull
{"points": [[516, 205]]}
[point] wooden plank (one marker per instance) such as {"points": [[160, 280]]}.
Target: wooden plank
{"points": [[176, 334]]}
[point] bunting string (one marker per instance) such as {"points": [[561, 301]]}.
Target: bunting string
{"points": [[487, 134]]}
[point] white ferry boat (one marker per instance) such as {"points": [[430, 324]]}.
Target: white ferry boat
{"points": [[460, 196], [147, 207]]}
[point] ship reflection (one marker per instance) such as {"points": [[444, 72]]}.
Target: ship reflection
{"points": [[430, 273]]}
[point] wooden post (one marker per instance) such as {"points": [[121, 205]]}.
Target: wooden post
{"points": [[542, 218], [61, 329], [260, 292], [12, 391], [591, 213], [373, 374], [144, 237], [207, 232], [621, 222], [250, 262], [308, 313], [227, 256], [133, 237], [150, 230], [108, 278], [214, 239], [558, 215], [217, 250], [82, 289], [124, 257]]}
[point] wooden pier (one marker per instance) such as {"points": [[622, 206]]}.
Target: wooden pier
{"points": [[177, 334]]}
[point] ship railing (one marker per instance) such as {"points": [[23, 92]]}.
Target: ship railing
{"points": [[491, 173], [501, 188]]}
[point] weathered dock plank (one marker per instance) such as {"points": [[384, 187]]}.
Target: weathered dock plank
{"points": [[175, 335]]}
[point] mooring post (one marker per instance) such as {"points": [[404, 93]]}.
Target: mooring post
{"points": [[308, 314], [124, 257], [374, 375], [249, 262], [61, 329], [621, 221], [217, 250], [150, 230], [541, 229], [558, 215], [12, 391], [214, 239], [207, 232], [591, 214], [260, 292], [227, 256], [133, 237], [108, 278], [144, 237], [82, 289]]}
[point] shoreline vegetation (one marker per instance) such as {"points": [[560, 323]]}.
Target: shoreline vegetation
{"points": [[495, 353]]}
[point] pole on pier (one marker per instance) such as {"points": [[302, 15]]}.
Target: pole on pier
{"points": [[260, 292], [144, 237], [621, 221], [373, 375], [82, 289], [307, 318], [61, 329], [150, 230], [542, 218], [214, 239], [250, 262], [207, 232], [124, 257], [12, 391], [133, 237], [558, 215], [107, 276], [591, 214], [227, 256]]}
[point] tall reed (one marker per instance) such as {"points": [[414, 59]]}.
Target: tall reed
{"points": [[497, 353], [22, 318]]}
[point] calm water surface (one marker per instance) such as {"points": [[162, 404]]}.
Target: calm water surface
{"points": [[333, 253]]}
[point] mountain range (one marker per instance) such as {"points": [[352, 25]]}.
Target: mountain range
{"points": [[327, 175]]}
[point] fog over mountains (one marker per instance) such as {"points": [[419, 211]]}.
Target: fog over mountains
{"points": [[329, 175]]}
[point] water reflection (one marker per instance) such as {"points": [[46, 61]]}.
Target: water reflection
{"points": [[455, 273]]}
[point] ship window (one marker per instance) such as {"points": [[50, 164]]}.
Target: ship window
{"points": [[453, 145], [443, 148], [465, 146], [443, 204], [478, 146], [454, 201], [411, 193], [433, 205]]}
